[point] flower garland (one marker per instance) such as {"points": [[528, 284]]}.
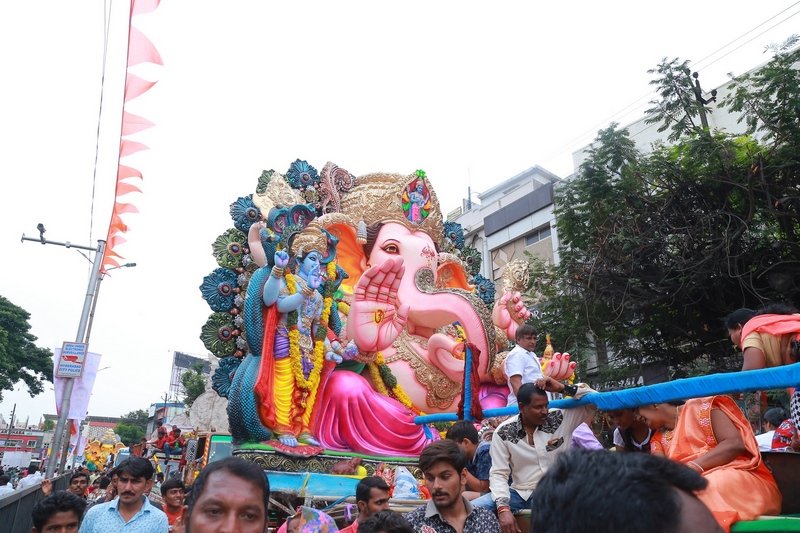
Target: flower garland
{"points": [[385, 381], [320, 335], [311, 382]]}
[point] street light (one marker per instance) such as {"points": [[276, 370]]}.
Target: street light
{"points": [[79, 337]]}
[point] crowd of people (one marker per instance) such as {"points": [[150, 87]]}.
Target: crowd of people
{"points": [[680, 466]]}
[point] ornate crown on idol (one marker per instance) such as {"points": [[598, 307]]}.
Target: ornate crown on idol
{"points": [[379, 197], [311, 239], [383, 197]]}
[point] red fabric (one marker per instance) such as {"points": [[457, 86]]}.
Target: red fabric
{"points": [[172, 439], [171, 517], [782, 438], [264, 382], [352, 528], [771, 324]]}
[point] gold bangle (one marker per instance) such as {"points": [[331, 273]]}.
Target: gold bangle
{"points": [[697, 468], [277, 272], [308, 291]]}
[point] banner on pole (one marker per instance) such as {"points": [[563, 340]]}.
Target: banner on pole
{"points": [[81, 389]]}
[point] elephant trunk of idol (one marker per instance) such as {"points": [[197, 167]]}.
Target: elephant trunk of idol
{"points": [[432, 308]]}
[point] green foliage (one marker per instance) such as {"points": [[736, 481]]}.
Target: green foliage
{"points": [[129, 434], [768, 97], [20, 358], [137, 419], [131, 427], [194, 382], [48, 425], [678, 108], [657, 248]]}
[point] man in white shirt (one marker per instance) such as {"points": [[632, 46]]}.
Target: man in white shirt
{"points": [[33, 478], [526, 445], [521, 365]]}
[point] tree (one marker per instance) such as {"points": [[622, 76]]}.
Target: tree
{"points": [[194, 382], [129, 434], [20, 358], [48, 425], [658, 247], [138, 418], [132, 426]]}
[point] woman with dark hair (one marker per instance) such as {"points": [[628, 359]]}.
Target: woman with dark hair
{"points": [[768, 338], [712, 436]]}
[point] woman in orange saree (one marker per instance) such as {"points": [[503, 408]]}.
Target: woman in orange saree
{"points": [[712, 436]]}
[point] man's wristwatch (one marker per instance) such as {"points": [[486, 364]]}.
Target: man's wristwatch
{"points": [[570, 390]]}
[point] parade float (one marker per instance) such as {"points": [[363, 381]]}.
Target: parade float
{"points": [[349, 318], [344, 307]]}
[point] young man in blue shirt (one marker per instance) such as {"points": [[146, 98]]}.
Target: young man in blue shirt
{"points": [[131, 511], [479, 460]]}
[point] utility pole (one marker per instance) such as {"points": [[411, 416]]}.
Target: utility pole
{"points": [[10, 425], [698, 95], [63, 414]]}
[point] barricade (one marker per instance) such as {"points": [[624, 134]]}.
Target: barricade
{"points": [[15, 508]]}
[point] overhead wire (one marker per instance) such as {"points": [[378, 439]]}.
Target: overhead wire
{"points": [[731, 51], [107, 9], [641, 100]]}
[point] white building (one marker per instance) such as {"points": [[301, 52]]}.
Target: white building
{"points": [[511, 218]]}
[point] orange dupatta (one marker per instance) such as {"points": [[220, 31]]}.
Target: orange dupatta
{"points": [[744, 488]]}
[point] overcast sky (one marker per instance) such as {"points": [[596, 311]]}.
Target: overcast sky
{"points": [[472, 92]]}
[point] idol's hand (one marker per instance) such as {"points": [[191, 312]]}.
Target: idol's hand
{"points": [[509, 312], [560, 367], [331, 356], [376, 318], [281, 259]]}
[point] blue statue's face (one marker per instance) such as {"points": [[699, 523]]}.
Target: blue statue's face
{"points": [[419, 188], [310, 262]]}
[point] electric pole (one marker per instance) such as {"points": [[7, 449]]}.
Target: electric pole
{"points": [[63, 413]]}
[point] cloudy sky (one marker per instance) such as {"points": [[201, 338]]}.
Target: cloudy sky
{"points": [[472, 92]]}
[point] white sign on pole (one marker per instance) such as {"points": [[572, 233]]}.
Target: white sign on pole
{"points": [[70, 359]]}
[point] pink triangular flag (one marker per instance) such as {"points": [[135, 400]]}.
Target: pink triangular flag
{"points": [[136, 86], [141, 50], [116, 240], [133, 123], [140, 7], [109, 262], [120, 208], [128, 147], [125, 188], [125, 172]]}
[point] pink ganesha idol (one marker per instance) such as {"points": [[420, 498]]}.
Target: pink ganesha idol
{"points": [[400, 305]]}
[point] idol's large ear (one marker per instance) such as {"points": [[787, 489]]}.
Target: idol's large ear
{"points": [[349, 252], [451, 273]]}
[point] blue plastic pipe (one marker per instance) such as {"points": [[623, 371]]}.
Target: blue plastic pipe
{"points": [[680, 389]]}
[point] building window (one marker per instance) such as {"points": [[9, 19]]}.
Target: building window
{"points": [[31, 443], [537, 235]]}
